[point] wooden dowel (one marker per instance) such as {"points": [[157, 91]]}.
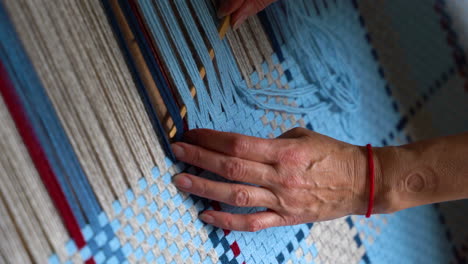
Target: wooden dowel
{"points": [[222, 30], [142, 68]]}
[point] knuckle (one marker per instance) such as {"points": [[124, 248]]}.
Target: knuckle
{"points": [[235, 170], [292, 155], [195, 156], [297, 130], [294, 220], [202, 190], [292, 181], [255, 225], [239, 146], [228, 222], [241, 197]]}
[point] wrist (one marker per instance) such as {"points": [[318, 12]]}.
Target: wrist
{"points": [[386, 161], [384, 198], [406, 179], [416, 174]]}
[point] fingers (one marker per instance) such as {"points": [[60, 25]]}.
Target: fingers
{"points": [[236, 145], [296, 132], [228, 7], [247, 222], [234, 194], [231, 168], [240, 10]]}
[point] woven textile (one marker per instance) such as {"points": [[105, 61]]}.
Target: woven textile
{"points": [[85, 176]]}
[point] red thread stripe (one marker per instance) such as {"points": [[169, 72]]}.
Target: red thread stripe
{"points": [[39, 158], [235, 249], [234, 246]]}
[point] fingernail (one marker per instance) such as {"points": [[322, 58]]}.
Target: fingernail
{"points": [[178, 151], [239, 22], [183, 182], [207, 218]]}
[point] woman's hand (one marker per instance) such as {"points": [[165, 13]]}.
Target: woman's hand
{"points": [[301, 176], [240, 10]]}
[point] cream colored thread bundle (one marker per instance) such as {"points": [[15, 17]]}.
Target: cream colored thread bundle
{"points": [[30, 208], [83, 71]]}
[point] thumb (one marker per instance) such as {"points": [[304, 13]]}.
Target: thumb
{"points": [[240, 10]]}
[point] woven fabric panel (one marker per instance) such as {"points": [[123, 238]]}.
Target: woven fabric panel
{"points": [[409, 65]]}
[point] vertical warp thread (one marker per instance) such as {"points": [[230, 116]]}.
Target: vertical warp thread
{"points": [[39, 158], [46, 125], [221, 94]]}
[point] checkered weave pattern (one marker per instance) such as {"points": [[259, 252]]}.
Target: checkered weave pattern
{"points": [[413, 76]]}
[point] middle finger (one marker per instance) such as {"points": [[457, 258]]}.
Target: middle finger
{"points": [[231, 168], [234, 194]]}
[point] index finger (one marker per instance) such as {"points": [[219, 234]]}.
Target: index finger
{"points": [[240, 10], [235, 145], [231, 168], [228, 7]]}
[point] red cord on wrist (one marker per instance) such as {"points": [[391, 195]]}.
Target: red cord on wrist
{"points": [[370, 158]]}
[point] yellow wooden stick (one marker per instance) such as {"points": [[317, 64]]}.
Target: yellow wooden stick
{"points": [[222, 30], [142, 67]]}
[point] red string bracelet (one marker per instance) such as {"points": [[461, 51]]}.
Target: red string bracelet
{"points": [[370, 158]]}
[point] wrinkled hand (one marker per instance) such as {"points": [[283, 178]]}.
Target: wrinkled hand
{"points": [[240, 10], [301, 176]]}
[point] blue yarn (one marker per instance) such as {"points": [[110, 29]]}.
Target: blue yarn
{"points": [[322, 55], [324, 65], [159, 79], [204, 105], [255, 97], [156, 72], [250, 95], [214, 84], [175, 71], [224, 59], [294, 92], [225, 88], [47, 127]]}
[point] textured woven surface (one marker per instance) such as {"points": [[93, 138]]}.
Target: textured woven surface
{"points": [[412, 76]]}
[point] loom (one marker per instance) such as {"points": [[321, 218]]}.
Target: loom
{"points": [[169, 110], [92, 93]]}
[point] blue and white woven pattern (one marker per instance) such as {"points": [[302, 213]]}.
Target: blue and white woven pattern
{"points": [[402, 78]]}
